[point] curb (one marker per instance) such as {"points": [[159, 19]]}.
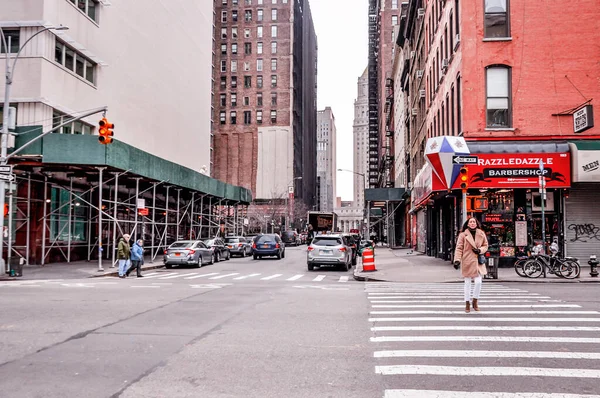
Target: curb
{"points": [[115, 273], [360, 278]]}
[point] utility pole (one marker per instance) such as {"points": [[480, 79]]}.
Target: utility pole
{"points": [[542, 182]]}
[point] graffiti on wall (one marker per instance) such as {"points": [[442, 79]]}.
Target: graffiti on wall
{"points": [[584, 232]]}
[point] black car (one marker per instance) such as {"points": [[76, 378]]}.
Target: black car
{"points": [[352, 243], [220, 251], [291, 238]]}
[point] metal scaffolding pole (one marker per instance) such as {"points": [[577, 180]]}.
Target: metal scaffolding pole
{"points": [[165, 234], [44, 220], [177, 226], [153, 218], [10, 223], [114, 234], [201, 215], [28, 228], [137, 194], [70, 219], [100, 269], [192, 215]]}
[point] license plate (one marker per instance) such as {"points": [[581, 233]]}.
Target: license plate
{"points": [[266, 246], [231, 247], [177, 254], [327, 251]]}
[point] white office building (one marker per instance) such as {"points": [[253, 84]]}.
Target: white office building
{"points": [[326, 159]]}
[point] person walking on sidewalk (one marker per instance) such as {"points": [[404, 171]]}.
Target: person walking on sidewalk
{"points": [[123, 254], [471, 243], [137, 258]]}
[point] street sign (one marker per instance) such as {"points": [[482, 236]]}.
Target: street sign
{"points": [[7, 177], [462, 159], [6, 169], [143, 212], [141, 203]]}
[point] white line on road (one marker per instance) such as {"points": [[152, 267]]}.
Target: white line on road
{"points": [[343, 279], [178, 276], [487, 312], [202, 275], [144, 286], [485, 354], [319, 278], [511, 339], [245, 277], [270, 277], [487, 306], [476, 394], [295, 277], [486, 371], [224, 276], [490, 328], [160, 275], [150, 274], [481, 319], [454, 301]]}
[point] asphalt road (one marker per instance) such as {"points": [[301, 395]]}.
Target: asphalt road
{"points": [[271, 328]]}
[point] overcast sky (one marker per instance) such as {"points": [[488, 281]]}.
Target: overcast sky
{"points": [[342, 34]]}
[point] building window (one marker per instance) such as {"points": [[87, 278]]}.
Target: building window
{"points": [[273, 64], [77, 127], [246, 66], [259, 15], [394, 4], [247, 117], [234, 33], [223, 49], [273, 31], [259, 32], [234, 66], [259, 65], [234, 15], [248, 15], [259, 48], [452, 127], [74, 61], [224, 2], [246, 101], [259, 2], [88, 7], [273, 80], [234, 2], [259, 117], [247, 48], [223, 33], [223, 82], [222, 117], [273, 1], [259, 100], [273, 116], [274, 14], [496, 18], [273, 98], [259, 81], [498, 97], [248, 2], [247, 81], [223, 16], [233, 117], [223, 66], [274, 47], [394, 20], [233, 81], [234, 48], [247, 33], [12, 36], [223, 98], [233, 100]]}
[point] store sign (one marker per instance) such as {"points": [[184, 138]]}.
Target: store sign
{"points": [[586, 165], [583, 119], [497, 217], [519, 170]]}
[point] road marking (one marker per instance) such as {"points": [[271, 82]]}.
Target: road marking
{"points": [[485, 354], [295, 277], [476, 394], [245, 276], [224, 276], [343, 279], [322, 287], [319, 278], [486, 371], [77, 284], [455, 296], [210, 286], [178, 276], [512, 339], [158, 275], [454, 301], [481, 319], [202, 275], [271, 277], [487, 312], [487, 306], [145, 286], [486, 328], [151, 273]]}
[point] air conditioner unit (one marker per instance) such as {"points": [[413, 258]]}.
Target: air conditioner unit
{"points": [[412, 54], [421, 93], [420, 13], [456, 41], [419, 74], [414, 112]]}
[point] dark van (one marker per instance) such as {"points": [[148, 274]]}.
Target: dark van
{"points": [[290, 238]]}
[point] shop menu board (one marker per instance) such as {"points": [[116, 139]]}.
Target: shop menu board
{"points": [[521, 233]]}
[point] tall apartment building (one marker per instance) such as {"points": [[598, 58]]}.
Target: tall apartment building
{"points": [[361, 139], [265, 98], [521, 99], [160, 105], [326, 159]]}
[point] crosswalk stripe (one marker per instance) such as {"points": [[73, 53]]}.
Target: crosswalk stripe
{"points": [[295, 277], [430, 290], [158, 275], [489, 328], [343, 279], [512, 339], [487, 312], [454, 301], [477, 394], [485, 354], [224, 276], [150, 274], [268, 278], [481, 319], [245, 277], [201, 275], [319, 278], [178, 276], [483, 296], [485, 371], [487, 306]]}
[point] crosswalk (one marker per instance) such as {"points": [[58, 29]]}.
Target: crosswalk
{"points": [[520, 345]]}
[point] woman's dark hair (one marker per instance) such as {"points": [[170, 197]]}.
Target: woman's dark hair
{"points": [[466, 224]]}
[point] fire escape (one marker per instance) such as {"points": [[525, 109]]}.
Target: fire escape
{"points": [[387, 161], [374, 32]]}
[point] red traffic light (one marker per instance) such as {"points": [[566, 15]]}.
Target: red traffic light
{"points": [[464, 177], [105, 132]]}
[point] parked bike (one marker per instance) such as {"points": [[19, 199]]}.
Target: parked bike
{"points": [[533, 266]]}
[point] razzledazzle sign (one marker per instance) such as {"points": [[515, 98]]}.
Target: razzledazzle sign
{"points": [[519, 170]]}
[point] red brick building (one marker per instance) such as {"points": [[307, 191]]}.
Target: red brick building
{"points": [[516, 79]]}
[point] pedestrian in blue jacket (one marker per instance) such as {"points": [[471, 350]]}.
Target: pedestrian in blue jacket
{"points": [[137, 258]]}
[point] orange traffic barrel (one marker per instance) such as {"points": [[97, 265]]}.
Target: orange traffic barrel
{"points": [[368, 260]]}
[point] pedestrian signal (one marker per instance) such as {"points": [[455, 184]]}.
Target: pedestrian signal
{"points": [[105, 132]]}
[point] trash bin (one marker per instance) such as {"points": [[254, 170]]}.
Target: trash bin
{"points": [[16, 266], [492, 267]]}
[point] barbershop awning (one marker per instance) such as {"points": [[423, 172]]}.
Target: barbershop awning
{"points": [[518, 146]]}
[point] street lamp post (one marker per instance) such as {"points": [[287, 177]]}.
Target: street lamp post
{"points": [[287, 209], [8, 79]]}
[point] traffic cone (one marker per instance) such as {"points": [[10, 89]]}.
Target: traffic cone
{"points": [[368, 260]]}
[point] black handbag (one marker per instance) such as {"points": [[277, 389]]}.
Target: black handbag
{"points": [[481, 259]]}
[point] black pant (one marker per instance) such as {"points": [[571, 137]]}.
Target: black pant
{"points": [[137, 265]]}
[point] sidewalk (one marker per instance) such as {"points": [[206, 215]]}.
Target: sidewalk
{"points": [[403, 265], [75, 270]]}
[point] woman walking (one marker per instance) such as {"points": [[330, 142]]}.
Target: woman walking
{"points": [[472, 243]]}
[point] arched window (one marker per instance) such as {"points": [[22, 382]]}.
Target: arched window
{"points": [[498, 101], [496, 20]]}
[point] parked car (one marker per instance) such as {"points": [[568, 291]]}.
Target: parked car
{"points": [[187, 252], [238, 245], [268, 245], [329, 250], [291, 238], [303, 237], [220, 251], [366, 243], [353, 244]]}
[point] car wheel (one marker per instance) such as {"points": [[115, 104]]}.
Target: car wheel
{"points": [[199, 263], [243, 254], [255, 257], [353, 260], [228, 256], [278, 256], [283, 254], [168, 266], [216, 257], [311, 267]]}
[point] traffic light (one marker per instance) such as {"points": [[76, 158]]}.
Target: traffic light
{"points": [[105, 132], [464, 178]]}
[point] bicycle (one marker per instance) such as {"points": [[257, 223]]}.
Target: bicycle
{"points": [[567, 268]]}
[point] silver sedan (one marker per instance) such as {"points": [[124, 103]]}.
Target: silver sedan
{"points": [[188, 252]]}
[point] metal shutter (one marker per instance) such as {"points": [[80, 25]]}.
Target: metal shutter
{"points": [[583, 222]]}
